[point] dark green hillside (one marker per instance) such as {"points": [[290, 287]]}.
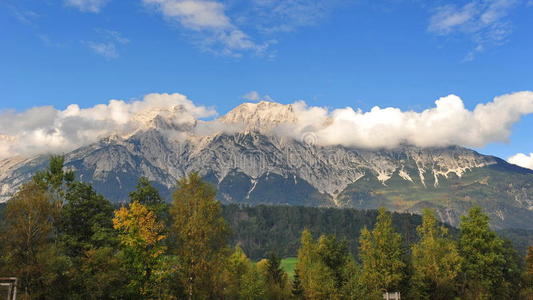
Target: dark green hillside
{"points": [[501, 189], [260, 229]]}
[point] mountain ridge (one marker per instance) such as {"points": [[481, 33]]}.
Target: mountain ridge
{"points": [[250, 164]]}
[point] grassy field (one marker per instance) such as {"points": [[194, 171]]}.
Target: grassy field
{"points": [[288, 265]]}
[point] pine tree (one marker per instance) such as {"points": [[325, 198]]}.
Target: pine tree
{"points": [[275, 273], [55, 179], [85, 221], [201, 236], [436, 262], [146, 194], [483, 258], [297, 290], [100, 275], [276, 278], [380, 251]]}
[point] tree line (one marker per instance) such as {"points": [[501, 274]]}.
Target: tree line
{"points": [[65, 241], [261, 229]]}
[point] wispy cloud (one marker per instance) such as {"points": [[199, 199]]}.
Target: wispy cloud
{"points": [[241, 26], [216, 26], [108, 46], [107, 50], [485, 22], [21, 14], [255, 96], [274, 16], [209, 19], [93, 6]]}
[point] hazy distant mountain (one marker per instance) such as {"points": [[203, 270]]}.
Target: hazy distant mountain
{"points": [[248, 164]]}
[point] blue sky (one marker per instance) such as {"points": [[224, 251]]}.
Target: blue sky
{"points": [[334, 53]]}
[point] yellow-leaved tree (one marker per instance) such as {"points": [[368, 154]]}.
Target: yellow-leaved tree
{"points": [[380, 251], [436, 261], [140, 235], [201, 235]]}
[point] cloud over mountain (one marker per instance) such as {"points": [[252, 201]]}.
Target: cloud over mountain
{"points": [[448, 123], [46, 129], [523, 160]]}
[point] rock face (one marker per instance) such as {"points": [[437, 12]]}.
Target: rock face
{"points": [[250, 165]]}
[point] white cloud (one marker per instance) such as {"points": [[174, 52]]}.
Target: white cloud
{"points": [[47, 129], [93, 6], [285, 16], [255, 96], [24, 16], [448, 123], [107, 50], [208, 18], [485, 22], [216, 25], [523, 160], [108, 47], [449, 17]]}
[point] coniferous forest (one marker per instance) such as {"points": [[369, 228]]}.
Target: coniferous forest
{"points": [[62, 240]]}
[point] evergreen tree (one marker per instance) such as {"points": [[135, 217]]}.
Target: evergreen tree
{"points": [[276, 278], [380, 251], [100, 274], [55, 179], [146, 194], [275, 274], [297, 290], [201, 236], [86, 220], [483, 258], [436, 262]]}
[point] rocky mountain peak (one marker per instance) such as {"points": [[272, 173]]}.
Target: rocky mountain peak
{"points": [[172, 118], [261, 116]]}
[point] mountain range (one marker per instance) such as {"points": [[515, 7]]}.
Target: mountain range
{"points": [[245, 157]]}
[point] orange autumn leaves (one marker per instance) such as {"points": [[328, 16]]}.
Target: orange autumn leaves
{"points": [[139, 228]]}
